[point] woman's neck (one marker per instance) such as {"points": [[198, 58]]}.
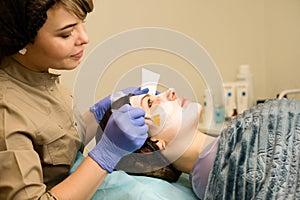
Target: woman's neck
{"points": [[189, 157], [26, 63]]}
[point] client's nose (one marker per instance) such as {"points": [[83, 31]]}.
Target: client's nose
{"points": [[168, 95], [171, 94]]}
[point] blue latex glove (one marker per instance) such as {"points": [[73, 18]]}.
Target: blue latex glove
{"points": [[135, 91], [101, 107], [125, 132]]}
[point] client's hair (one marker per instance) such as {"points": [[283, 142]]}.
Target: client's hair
{"points": [[146, 161]]}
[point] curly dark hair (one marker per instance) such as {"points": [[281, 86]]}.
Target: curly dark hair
{"points": [[20, 20], [148, 161]]}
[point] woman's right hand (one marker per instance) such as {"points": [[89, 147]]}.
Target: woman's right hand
{"points": [[125, 132]]}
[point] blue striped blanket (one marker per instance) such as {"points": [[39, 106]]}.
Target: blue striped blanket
{"points": [[259, 154]]}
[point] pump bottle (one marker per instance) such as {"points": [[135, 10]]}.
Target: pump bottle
{"points": [[244, 82]]}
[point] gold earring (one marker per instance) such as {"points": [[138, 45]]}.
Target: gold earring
{"points": [[23, 51]]}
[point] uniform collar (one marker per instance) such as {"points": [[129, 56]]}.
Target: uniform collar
{"points": [[25, 75]]}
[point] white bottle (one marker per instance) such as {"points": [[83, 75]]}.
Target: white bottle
{"points": [[242, 97], [245, 75], [230, 99]]}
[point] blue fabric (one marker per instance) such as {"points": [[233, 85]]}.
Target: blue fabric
{"points": [[119, 185], [258, 155]]}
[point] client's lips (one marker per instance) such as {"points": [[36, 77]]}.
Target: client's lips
{"points": [[183, 102]]}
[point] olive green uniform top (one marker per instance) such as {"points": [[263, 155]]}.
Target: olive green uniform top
{"points": [[38, 132]]}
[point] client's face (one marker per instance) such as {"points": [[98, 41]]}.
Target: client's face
{"points": [[177, 115]]}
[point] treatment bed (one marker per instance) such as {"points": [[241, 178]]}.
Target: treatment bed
{"points": [[258, 158], [120, 186]]}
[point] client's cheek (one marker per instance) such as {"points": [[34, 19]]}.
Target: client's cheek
{"points": [[171, 118]]}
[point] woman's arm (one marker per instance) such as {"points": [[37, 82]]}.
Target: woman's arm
{"points": [[81, 184], [92, 126], [115, 143]]}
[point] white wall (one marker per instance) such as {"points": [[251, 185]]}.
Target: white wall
{"points": [[282, 45], [262, 33]]}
